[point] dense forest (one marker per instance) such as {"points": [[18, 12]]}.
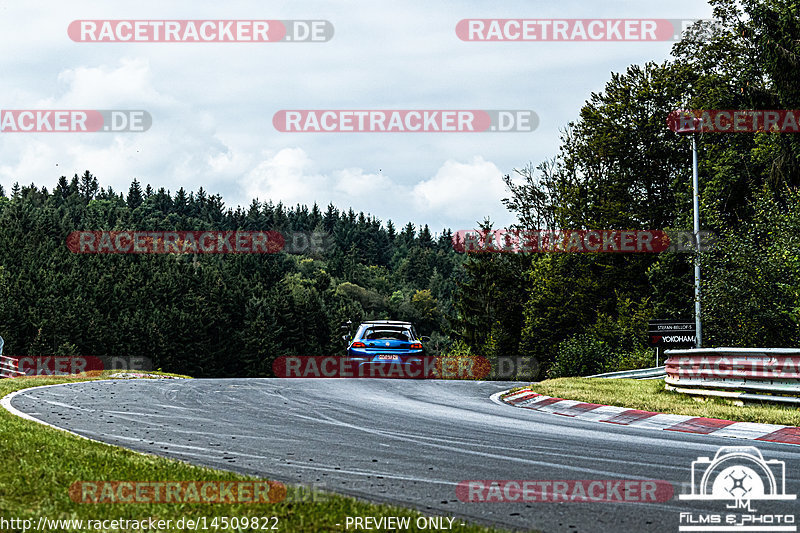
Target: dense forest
{"points": [[618, 167], [207, 314]]}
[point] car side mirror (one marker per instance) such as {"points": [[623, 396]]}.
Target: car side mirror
{"points": [[345, 327]]}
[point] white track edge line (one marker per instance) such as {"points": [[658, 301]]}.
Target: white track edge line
{"points": [[5, 401]]}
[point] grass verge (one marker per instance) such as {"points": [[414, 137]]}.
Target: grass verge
{"points": [[41, 463], [650, 395]]}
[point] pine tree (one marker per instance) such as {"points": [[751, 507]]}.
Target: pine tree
{"points": [[181, 202], [134, 199], [330, 218], [107, 194], [62, 189], [279, 217], [88, 186], [255, 217], [315, 217], [445, 241], [163, 201], [406, 237], [425, 239]]}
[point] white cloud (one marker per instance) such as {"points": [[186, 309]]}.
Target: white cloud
{"points": [[212, 104], [354, 183], [459, 193], [180, 150], [286, 176], [460, 188], [128, 83]]}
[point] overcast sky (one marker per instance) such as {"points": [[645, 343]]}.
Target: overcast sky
{"points": [[212, 103]]}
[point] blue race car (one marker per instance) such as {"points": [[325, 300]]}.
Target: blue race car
{"points": [[385, 341]]}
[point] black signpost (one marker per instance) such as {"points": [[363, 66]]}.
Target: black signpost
{"points": [[666, 333]]}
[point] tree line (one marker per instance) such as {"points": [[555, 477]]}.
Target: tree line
{"points": [[620, 167], [215, 314]]}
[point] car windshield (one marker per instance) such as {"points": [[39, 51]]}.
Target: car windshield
{"points": [[389, 334]]}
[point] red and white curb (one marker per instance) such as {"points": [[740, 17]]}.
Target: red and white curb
{"points": [[527, 399]]}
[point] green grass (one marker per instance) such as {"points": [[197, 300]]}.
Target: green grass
{"points": [[650, 395], [40, 463]]}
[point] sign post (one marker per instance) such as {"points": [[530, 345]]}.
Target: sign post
{"points": [[694, 128], [665, 333]]}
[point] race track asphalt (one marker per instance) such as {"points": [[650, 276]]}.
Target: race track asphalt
{"points": [[407, 442]]}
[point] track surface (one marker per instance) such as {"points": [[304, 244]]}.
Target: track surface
{"points": [[407, 442]]}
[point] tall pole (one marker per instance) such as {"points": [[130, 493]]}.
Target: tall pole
{"points": [[696, 202]]}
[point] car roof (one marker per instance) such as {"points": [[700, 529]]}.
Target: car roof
{"points": [[385, 323]]}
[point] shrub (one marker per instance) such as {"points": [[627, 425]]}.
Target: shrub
{"points": [[582, 355], [634, 360]]}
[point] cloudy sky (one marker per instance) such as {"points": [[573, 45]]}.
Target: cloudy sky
{"points": [[212, 103]]}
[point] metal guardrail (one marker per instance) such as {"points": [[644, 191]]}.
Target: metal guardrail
{"points": [[771, 374], [657, 372], [9, 366]]}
